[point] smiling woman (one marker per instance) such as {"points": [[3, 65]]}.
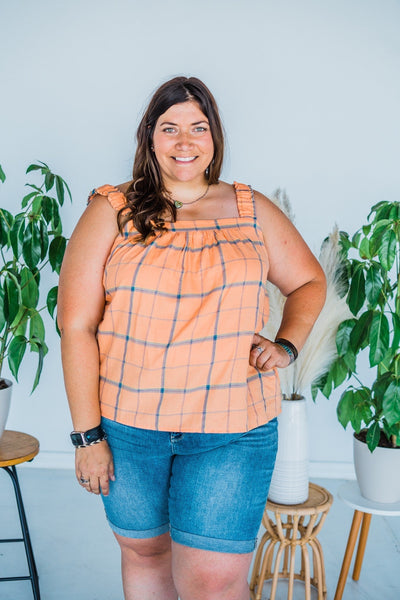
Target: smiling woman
{"points": [[173, 392], [179, 154]]}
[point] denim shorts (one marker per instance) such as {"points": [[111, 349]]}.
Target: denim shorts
{"points": [[208, 490]]}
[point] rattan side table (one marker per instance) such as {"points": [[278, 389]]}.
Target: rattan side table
{"points": [[17, 448], [291, 527]]}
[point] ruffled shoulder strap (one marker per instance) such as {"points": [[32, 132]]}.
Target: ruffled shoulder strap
{"points": [[115, 197], [245, 200]]}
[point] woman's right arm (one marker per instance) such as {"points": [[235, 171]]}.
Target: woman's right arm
{"points": [[80, 309]]}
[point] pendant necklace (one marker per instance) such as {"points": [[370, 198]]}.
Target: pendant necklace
{"points": [[179, 204]]}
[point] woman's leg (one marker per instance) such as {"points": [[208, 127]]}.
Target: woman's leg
{"points": [[137, 510], [205, 575], [146, 568], [217, 498]]}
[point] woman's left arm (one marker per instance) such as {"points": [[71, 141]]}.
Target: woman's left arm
{"points": [[296, 272]]}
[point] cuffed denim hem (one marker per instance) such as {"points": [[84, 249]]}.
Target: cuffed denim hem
{"points": [[213, 544], [139, 535]]}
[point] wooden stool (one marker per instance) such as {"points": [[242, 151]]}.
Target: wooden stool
{"points": [[294, 532], [350, 493], [17, 448]]}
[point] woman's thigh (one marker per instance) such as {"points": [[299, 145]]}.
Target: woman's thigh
{"points": [[217, 497], [137, 505]]}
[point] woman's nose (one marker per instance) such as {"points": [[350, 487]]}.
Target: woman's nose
{"points": [[184, 140]]}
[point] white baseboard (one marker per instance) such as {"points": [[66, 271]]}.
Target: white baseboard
{"points": [[322, 469]]}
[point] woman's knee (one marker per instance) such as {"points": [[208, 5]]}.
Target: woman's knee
{"points": [[145, 550], [208, 575]]}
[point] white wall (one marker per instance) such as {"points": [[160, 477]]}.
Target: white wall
{"points": [[309, 94]]}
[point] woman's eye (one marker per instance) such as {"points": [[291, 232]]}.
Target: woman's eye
{"points": [[201, 129], [169, 130]]}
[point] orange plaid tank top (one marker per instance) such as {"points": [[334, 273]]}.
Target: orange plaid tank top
{"points": [[179, 318]]}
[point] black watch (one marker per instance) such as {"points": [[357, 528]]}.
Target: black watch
{"points": [[81, 439]]}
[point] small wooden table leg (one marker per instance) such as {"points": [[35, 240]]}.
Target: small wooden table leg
{"points": [[355, 526], [361, 545]]}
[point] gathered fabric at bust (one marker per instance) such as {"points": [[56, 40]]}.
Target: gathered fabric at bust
{"points": [[179, 319]]}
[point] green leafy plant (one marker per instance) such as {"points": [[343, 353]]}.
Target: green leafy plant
{"points": [[372, 272], [29, 241]]}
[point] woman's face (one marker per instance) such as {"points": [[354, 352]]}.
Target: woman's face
{"points": [[183, 143]]}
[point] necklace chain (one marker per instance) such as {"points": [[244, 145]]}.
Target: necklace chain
{"points": [[179, 204]]}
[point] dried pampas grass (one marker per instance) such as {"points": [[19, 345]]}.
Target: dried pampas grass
{"points": [[319, 350]]}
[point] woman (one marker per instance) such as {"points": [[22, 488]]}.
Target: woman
{"points": [[173, 392]]}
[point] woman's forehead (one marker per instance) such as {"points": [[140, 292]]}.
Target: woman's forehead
{"points": [[187, 111]]}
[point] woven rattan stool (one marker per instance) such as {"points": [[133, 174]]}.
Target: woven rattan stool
{"points": [[291, 527]]}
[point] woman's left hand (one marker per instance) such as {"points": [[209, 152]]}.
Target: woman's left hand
{"points": [[265, 355]]}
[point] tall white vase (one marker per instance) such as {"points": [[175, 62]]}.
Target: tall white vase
{"points": [[289, 484], [5, 399]]}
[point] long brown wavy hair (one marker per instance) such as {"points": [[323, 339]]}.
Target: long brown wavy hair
{"points": [[147, 198]]}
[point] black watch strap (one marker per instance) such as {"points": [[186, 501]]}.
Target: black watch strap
{"points": [[81, 439]]}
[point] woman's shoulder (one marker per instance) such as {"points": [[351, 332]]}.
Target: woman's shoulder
{"points": [[115, 194]]}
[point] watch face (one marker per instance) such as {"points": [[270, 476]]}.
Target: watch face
{"points": [[76, 439]]}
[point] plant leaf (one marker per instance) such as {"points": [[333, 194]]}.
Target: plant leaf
{"points": [[36, 326], [52, 300], [345, 408], [32, 245], [373, 436], [17, 235], [359, 337], [391, 402], [373, 285], [361, 409], [356, 295], [47, 208], [41, 348], [387, 249], [27, 198], [2, 316], [396, 331], [379, 338], [56, 252], [2, 175], [29, 288], [343, 335], [44, 239], [20, 322], [339, 371], [6, 221], [60, 190], [350, 360], [16, 353], [364, 248], [11, 298], [49, 180], [33, 168]]}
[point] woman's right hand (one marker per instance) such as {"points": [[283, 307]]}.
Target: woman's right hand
{"points": [[94, 468]]}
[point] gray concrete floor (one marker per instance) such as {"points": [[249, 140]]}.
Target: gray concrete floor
{"points": [[77, 557]]}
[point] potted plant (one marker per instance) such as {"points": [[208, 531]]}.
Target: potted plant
{"points": [[289, 484], [30, 240], [372, 274]]}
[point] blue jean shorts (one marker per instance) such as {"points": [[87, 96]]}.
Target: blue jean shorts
{"points": [[208, 490]]}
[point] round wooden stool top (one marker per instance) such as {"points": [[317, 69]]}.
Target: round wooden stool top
{"points": [[17, 448], [319, 499]]}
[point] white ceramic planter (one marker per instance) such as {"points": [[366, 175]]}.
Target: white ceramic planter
{"points": [[5, 399], [378, 472], [289, 484]]}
